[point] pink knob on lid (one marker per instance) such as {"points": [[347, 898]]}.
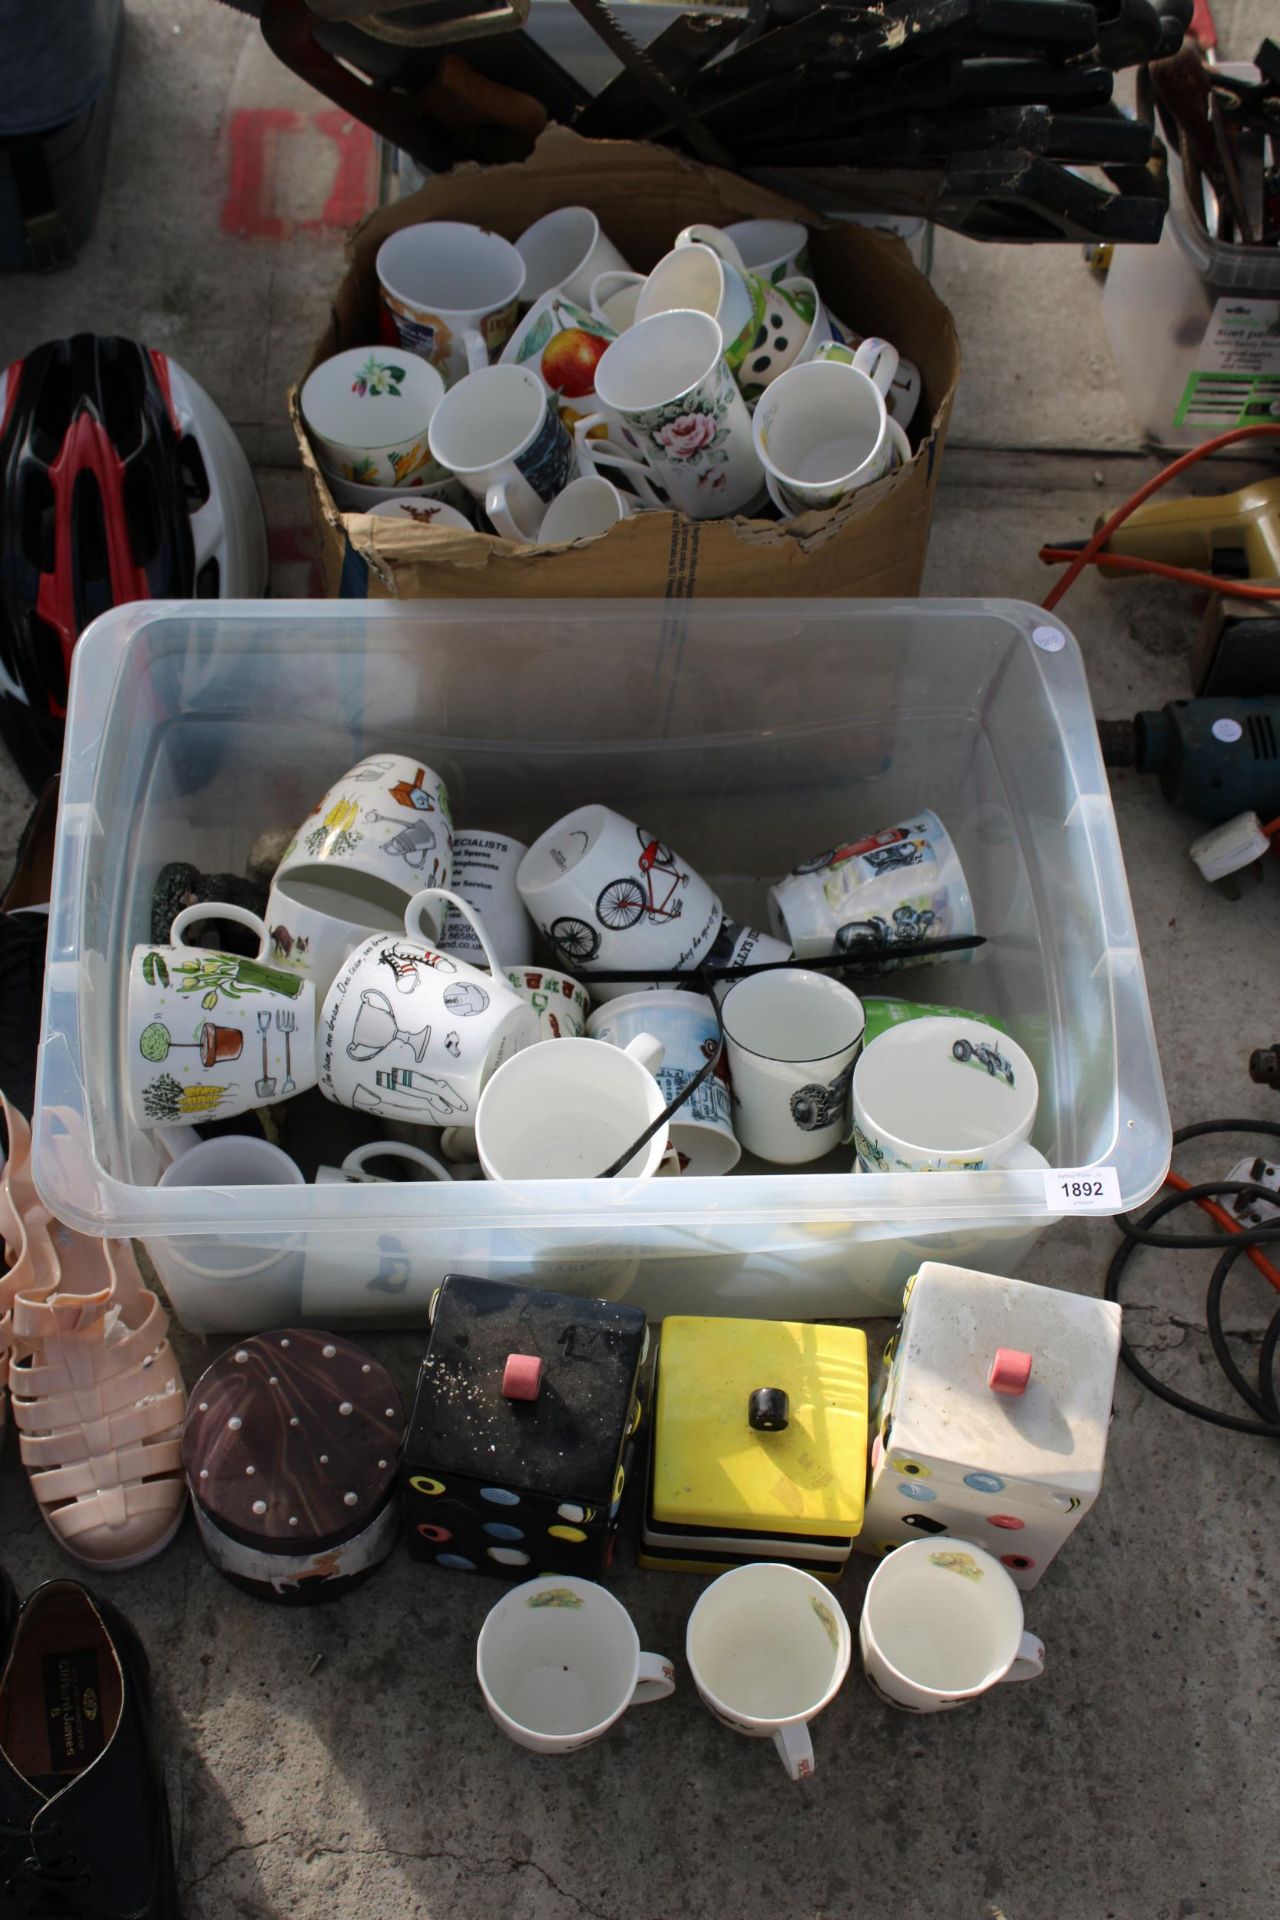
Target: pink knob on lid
{"points": [[522, 1376], [1010, 1372]]}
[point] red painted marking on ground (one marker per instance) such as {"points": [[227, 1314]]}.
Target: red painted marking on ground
{"points": [[352, 192], [251, 135]]}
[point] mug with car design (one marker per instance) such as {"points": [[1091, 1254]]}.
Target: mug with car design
{"points": [[381, 832], [211, 1035], [450, 292], [666, 381], [792, 1039], [408, 1033], [942, 1094], [609, 895], [368, 412], [878, 891]]}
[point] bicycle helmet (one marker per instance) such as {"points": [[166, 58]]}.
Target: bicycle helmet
{"points": [[119, 480]]}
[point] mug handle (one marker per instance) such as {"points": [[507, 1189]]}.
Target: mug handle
{"points": [[648, 1050], [879, 361], [420, 900], [1028, 1661], [603, 453], [795, 1750], [495, 505], [219, 910], [657, 1679], [473, 345], [902, 446], [393, 1150], [715, 238]]}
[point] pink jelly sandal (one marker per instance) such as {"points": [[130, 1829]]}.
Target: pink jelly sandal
{"points": [[31, 1265], [99, 1401]]}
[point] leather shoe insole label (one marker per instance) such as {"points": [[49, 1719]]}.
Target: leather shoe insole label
{"points": [[73, 1709]]}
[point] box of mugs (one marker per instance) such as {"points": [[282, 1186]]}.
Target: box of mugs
{"points": [[686, 386]]}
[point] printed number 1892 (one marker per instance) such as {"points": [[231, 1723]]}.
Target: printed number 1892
{"points": [[1081, 1189]]}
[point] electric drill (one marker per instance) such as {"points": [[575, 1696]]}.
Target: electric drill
{"points": [[1216, 758]]}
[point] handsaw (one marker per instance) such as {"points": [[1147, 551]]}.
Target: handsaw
{"points": [[624, 110], [651, 80]]}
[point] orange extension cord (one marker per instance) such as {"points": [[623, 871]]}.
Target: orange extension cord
{"points": [[1091, 553]]}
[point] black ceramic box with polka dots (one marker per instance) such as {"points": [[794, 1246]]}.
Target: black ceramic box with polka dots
{"points": [[522, 1431]]}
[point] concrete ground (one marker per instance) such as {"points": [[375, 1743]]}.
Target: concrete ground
{"points": [[339, 1762]]}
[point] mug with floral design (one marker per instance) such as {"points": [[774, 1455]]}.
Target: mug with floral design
{"points": [[449, 293], [763, 325], [367, 411], [666, 380]]}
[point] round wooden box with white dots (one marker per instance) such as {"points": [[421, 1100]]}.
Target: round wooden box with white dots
{"points": [[291, 1448]]}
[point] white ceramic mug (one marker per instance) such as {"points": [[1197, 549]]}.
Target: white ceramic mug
{"points": [[408, 1033], [739, 946], [822, 430], [613, 298], [233, 1160], [559, 1662], [587, 508], [368, 410], [563, 252], [562, 343], [379, 833], [498, 431], [212, 1035], [893, 888], [258, 1284], [762, 325], [559, 1001], [775, 249], [566, 1112], [667, 380], [433, 516], [351, 498], [907, 385], [307, 939], [769, 1648], [942, 1623], [702, 1130], [484, 872], [352, 1171], [942, 1094], [451, 291], [792, 1041], [607, 894]]}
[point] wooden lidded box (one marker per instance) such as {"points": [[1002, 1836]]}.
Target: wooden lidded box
{"points": [[993, 1416], [759, 1445], [522, 1430]]}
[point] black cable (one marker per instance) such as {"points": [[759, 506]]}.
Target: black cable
{"points": [[1262, 1400]]}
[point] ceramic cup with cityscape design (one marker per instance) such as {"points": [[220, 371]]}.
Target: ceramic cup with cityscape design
{"points": [[212, 1035], [665, 380], [450, 293], [942, 1094], [793, 1038], [368, 410], [499, 432], [380, 833], [408, 1033], [894, 888], [702, 1130], [608, 894]]}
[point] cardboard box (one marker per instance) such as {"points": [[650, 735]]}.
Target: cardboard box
{"points": [[644, 195]]}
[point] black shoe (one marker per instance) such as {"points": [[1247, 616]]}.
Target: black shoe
{"points": [[84, 1824], [8, 1613]]}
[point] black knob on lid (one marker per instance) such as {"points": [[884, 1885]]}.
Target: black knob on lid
{"points": [[768, 1409]]}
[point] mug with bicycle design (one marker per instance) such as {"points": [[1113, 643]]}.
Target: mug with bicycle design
{"points": [[609, 896]]}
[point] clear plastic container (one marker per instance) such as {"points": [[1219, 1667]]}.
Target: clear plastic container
{"points": [[1194, 325], [750, 736]]}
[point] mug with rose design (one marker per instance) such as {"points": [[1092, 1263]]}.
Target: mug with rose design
{"points": [[667, 381]]}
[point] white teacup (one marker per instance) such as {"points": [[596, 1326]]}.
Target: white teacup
{"points": [[559, 1662], [499, 432], [587, 508], [775, 249], [666, 379], [614, 296], [792, 1040], [822, 430], [451, 290], [607, 895], [563, 252], [567, 1112], [907, 385], [483, 871], [380, 832], [942, 1094], [701, 1130], [408, 1033], [368, 411], [896, 887], [941, 1624], [769, 1648], [212, 1035], [352, 1171]]}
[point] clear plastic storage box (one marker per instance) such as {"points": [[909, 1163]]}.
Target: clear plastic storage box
{"points": [[748, 736]]}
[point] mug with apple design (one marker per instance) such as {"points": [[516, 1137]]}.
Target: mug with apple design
{"points": [[563, 343]]}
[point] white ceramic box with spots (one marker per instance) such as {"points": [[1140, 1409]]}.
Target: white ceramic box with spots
{"points": [[993, 1414]]}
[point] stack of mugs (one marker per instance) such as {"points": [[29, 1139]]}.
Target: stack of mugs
{"points": [[544, 390]]}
